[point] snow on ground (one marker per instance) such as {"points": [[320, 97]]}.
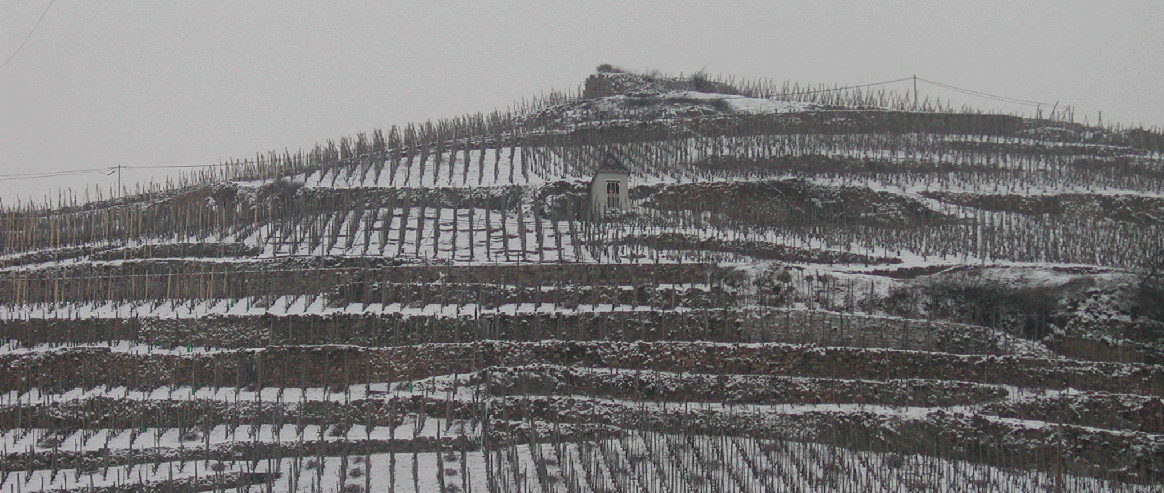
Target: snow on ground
{"points": [[299, 305], [642, 460], [744, 104], [529, 166]]}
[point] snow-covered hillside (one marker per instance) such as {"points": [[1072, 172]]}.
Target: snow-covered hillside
{"points": [[800, 295]]}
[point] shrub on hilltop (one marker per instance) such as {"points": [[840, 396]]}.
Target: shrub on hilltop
{"points": [[610, 81], [280, 189]]}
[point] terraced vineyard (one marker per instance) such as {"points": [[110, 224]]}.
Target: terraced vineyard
{"points": [[804, 295]]}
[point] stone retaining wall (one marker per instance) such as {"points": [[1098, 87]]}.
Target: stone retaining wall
{"points": [[376, 330], [186, 280], [855, 330], [470, 324], [327, 366]]}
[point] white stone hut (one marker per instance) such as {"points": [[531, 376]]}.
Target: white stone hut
{"points": [[610, 186]]}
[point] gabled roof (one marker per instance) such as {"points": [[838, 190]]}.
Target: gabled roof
{"points": [[611, 164]]}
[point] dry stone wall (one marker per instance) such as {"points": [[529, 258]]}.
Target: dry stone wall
{"points": [[194, 280], [471, 323], [325, 366], [376, 330], [855, 330]]}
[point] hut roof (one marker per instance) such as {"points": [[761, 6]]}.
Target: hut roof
{"points": [[611, 164]]}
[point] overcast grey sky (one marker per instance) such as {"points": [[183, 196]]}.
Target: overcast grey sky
{"points": [[146, 82]]}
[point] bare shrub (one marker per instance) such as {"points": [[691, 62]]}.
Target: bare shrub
{"points": [[700, 82], [1149, 297], [339, 430], [1024, 311], [280, 189]]}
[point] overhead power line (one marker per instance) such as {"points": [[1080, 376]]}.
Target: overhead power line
{"points": [[834, 89], [48, 174], [109, 170], [963, 90], [985, 95], [113, 169], [172, 166], [18, 48]]}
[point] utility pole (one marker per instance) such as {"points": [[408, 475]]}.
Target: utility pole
{"points": [[119, 194], [915, 91]]}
